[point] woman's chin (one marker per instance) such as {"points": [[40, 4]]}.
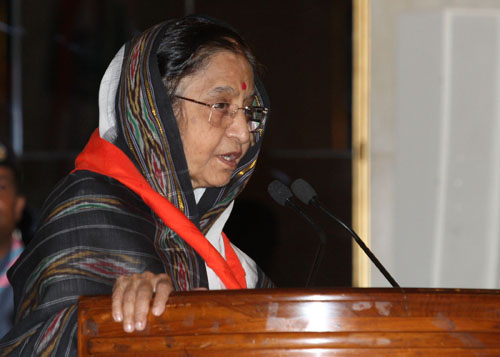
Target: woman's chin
{"points": [[219, 181]]}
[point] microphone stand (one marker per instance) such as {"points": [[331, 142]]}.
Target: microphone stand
{"points": [[360, 242], [283, 196], [320, 251]]}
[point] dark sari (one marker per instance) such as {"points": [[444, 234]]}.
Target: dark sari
{"points": [[93, 228]]}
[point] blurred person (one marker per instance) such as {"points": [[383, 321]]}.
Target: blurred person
{"points": [[12, 204]]}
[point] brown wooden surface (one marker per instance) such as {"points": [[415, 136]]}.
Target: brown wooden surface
{"points": [[303, 322]]}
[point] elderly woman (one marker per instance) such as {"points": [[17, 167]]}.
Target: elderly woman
{"points": [[182, 115]]}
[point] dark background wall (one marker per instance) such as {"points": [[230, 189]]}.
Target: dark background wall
{"points": [[305, 47]]}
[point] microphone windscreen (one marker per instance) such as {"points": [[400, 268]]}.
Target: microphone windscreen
{"points": [[303, 191], [279, 192]]}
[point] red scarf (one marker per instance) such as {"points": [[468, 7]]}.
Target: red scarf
{"points": [[104, 158]]}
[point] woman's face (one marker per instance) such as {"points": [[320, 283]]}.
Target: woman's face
{"points": [[213, 153]]}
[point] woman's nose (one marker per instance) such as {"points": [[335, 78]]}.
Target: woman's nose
{"points": [[239, 127]]}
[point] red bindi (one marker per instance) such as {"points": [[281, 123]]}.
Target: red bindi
{"points": [[243, 86]]}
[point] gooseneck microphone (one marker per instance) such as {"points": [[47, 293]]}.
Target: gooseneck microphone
{"points": [[304, 192], [283, 196]]}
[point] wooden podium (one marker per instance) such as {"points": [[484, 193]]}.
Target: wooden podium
{"points": [[303, 322]]}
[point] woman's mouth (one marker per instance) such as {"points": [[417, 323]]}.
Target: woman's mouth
{"points": [[230, 159]]}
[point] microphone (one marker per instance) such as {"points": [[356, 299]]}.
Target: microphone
{"points": [[305, 193], [283, 196]]}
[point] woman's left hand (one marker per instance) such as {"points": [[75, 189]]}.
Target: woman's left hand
{"points": [[132, 296]]}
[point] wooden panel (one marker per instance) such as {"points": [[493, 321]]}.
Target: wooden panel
{"points": [[339, 322]]}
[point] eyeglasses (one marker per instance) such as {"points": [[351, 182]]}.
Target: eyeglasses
{"points": [[222, 114]]}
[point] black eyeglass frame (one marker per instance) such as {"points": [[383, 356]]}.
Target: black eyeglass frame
{"points": [[248, 111]]}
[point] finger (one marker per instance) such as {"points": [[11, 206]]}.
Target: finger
{"points": [[117, 298], [128, 305], [142, 302], [163, 289]]}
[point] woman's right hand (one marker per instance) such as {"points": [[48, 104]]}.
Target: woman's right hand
{"points": [[132, 295]]}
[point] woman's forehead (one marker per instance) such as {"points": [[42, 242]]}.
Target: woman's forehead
{"points": [[224, 73], [232, 91]]}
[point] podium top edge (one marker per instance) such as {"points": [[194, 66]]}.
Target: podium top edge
{"points": [[318, 294]]}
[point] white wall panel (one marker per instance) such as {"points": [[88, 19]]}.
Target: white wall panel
{"points": [[436, 143]]}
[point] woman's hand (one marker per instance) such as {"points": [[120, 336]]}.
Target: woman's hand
{"points": [[132, 296]]}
